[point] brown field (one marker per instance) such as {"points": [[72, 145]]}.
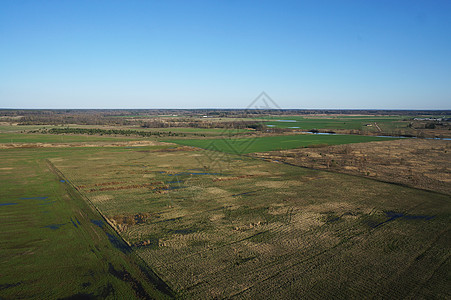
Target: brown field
{"points": [[420, 163]]}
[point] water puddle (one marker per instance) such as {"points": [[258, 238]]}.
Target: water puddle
{"points": [[114, 240], [9, 203], [391, 215], [98, 223], [73, 223], [9, 285], [394, 215], [54, 226], [175, 181], [118, 244], [323, 133]]}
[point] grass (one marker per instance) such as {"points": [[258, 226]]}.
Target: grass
{"points": [[16, 132], [255, 229], [260, 144], [19, 128], [213, 225], [51, 247], [51, 138], [347, 122], [187, 130]]}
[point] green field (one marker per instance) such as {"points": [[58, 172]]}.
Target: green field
{"points": [[53, 138], [53, 244], [331, 123], [261, 144]]}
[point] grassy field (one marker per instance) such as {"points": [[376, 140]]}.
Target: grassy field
{"points": [[261, 144], [23, 128], [419, 163], [19, 132], [188, 130], [13, 137], [211, 225], [53, 244], [255, 229], [343, 122]]}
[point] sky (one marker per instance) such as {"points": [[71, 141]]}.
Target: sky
{"points": [[338, 54]]}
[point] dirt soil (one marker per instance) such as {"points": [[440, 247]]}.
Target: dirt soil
{"points": [[419, 163]]}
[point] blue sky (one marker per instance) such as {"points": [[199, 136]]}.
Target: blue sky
{"points": [[222, 54]]}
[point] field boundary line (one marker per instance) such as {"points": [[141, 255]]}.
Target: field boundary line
{"points": [[336, 172], [61, 175], [148, 272]]}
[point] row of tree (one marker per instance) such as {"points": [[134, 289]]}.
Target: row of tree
{"points": [[126, 132], [200, 123]]}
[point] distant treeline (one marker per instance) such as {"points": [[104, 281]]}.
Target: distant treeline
{"points": [[126, 132], [81, 119], [213, 112], [201, 123], [166, 118]]}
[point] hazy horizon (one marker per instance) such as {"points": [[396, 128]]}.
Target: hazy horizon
{"points": [[242, 108]]}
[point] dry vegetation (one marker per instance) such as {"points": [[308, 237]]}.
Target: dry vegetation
{"points": [[419, 163], [257, 229], [214, 225]]}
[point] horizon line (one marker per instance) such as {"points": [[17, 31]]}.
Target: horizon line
{"points": [[206, 108]]}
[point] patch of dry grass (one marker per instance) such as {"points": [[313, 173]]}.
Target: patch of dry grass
{"points": [[419, 163]]}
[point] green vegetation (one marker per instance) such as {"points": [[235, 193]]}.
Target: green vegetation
{"points": [[241, 227], [49, 138], [331, 123], [260, 144], [205, 131], [98, 131], [110, 220], [54, 245], [119, 130], [22, 128]]}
